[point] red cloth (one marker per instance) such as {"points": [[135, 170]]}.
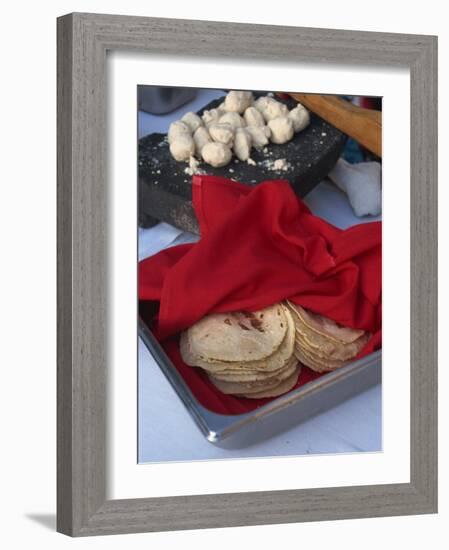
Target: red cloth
{"points": [[260, 245]]}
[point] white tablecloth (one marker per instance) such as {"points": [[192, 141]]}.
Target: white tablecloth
{"points": [[166, 430]]}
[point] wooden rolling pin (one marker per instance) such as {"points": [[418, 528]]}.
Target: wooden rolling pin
{"points": [[363, 125]]}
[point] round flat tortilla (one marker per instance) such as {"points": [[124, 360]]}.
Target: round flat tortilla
{"points": [[250, 376], [326, 363], [315, 364], [284, 387], [309, 362], [233, 388], [326, 347], [326, 327], [249, 381], [231, 368], [238, 336], [330, 350], [275, 362]]}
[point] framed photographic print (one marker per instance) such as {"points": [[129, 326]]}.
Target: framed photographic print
{"points": [[246, 274]]}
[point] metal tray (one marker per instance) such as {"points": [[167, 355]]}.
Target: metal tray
{"points": [[233, 431]]}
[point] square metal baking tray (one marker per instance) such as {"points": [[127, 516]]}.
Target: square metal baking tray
{"points": [[232, 431]]}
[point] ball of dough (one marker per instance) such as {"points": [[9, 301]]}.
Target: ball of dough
{"points": [[216, 154], [300, 117], [178, 129], [192, 120], [260, 135], [224, 133], [212, 115], [200, 138], [253, 117], [281, 129], [274, 109], [242, 144], [234, 119], [262, 103], [182, 147], [238, 101]]}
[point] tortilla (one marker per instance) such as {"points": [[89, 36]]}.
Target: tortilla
{"points": [[308, 362], [249, 376], [255, 379], [326, 347], [326, 327], [255, 355], [238, 336], [329, 350], [275, 362], [321, 363], [284, 387]]}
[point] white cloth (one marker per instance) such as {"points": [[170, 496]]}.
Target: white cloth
{"points": [[362, 183]]}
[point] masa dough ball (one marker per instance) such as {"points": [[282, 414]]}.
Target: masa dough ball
{"points": [[242, 144], [237, 101], [224, 133], [182, 147], [178, 129], [192, 120], [274, 109], [300, 117], [200, 138], [216, 154], [262, 103], [234, 119], [212, 115], [253, 117], [281, 129], [260, 135]]}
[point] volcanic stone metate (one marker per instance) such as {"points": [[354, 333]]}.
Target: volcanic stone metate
{"points": [[165, 189]]}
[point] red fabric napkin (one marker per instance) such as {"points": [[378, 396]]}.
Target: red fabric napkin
{"points": [[260, 245]]}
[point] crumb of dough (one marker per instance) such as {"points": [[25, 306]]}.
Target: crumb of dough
{"points": [[193, 167], [281, 164], [276, 165], [251, 162]]}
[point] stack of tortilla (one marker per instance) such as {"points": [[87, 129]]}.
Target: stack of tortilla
{"points": [[247, 354], [322, 344]]}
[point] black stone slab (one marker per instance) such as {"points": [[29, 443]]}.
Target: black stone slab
{"points": [[165, 192]]}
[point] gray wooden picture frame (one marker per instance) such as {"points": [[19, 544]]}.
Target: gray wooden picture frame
{"points": [[83, 40]]}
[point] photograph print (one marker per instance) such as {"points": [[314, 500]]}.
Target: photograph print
{"points": [[259, 274]]}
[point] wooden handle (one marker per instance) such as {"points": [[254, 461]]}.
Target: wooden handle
{"points": [[364, 125]]}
